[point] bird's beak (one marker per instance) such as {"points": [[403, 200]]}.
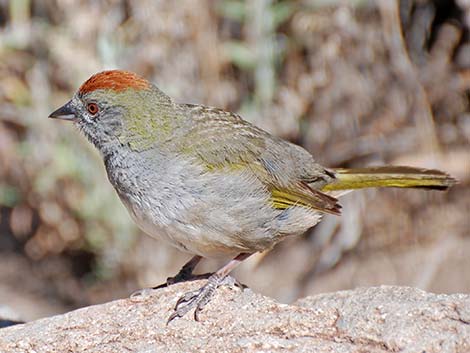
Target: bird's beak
{"points": [[66, 112]]}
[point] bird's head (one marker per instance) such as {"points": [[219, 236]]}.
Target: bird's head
{"points": [[118, 106]]}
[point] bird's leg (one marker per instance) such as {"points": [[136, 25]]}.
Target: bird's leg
{"points": [[185, 274], [199, 298]]}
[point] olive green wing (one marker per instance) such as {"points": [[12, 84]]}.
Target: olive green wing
{"points": [[223, 140]]}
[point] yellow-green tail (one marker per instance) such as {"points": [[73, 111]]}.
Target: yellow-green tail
{"points": [[389, 176]]}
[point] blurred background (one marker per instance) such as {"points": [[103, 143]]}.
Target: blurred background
{"points": [[355, 82]]}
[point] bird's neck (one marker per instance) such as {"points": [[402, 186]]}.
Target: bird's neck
{"points": [[111, 148], [158, 125], [157, 129]]}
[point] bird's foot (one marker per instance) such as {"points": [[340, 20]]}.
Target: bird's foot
{"points": [[182, 277], [198, 298], [138, 294]]}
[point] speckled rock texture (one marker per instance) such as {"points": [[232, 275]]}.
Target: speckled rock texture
{"points": [[378, 319]]}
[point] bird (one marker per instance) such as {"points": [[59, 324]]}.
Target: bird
{"points": [[209, 182]]}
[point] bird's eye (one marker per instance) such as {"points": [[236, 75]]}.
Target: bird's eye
{"points": [[92, 108]]}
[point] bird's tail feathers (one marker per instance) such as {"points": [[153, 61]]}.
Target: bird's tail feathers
{"points": [[389, 176]]}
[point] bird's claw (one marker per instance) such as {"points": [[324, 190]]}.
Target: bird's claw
{"points": [[141, 293], [169, 282], [198, 299], [182, 278]]}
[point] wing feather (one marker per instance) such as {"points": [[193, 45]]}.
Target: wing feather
{"points": [[282, 167]]}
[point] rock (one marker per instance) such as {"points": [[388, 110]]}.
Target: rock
{"points": [[378, 319]]}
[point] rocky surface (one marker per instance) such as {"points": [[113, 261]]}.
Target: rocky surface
{"points": [[377, 319]]}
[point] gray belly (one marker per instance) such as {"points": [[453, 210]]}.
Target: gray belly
{"points": [[212, 215]]}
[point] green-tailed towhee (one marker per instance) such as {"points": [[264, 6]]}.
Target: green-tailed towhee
{"points": [[207, 181]]}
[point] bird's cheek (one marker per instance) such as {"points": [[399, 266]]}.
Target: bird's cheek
{"points": [[112, 126], [84, 122]]}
